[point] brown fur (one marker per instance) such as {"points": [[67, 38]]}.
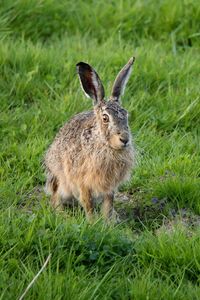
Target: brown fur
{"points": [[87, 158]]}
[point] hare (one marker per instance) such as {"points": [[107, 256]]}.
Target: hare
{"points": [[92, 153]]}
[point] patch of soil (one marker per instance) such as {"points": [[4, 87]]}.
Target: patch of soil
{"points": [[183, 218], [131, 208]]}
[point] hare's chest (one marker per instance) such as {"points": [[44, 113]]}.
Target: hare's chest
{"points": [[106, 175]]}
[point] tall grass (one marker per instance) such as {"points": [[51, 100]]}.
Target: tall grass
{"points": [[154, 252]]}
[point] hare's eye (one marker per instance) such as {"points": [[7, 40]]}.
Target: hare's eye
{"points": [[105, 118]]}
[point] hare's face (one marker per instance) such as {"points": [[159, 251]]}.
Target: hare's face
{"points": [[113, 122], [112, 119]]}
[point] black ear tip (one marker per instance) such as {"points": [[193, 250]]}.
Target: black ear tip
{"points": [[80, 64], [132, 59]]}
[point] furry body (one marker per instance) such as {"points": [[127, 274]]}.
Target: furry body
{"points": [[78, 157], [90, 156]]}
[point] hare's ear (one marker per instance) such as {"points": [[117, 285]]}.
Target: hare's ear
{"points": [[90, 82], [121, 81]]}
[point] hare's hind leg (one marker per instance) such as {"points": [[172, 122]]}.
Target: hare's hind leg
{"points": [[56, 201], [52, 186], [56, 197]]}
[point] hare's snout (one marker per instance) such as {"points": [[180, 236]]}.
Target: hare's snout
{"points": [[124, 139], [120, 140]]}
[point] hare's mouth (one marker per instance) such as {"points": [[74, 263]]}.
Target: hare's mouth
{"points": [[120, 147], [118, 143]]}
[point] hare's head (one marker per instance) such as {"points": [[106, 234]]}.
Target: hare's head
{"points": [[111, 118]]}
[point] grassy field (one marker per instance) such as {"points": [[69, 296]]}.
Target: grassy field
{"points": [[154, 253]]}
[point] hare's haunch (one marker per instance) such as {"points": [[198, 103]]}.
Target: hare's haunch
{"points": [[92, 153]]}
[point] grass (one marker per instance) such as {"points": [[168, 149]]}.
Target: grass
{"points": [[154, 252]]}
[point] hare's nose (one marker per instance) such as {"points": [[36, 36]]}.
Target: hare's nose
{"points": [[124, 141]]}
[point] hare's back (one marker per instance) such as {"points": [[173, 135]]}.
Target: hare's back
{"points": [[68, 139], [73, 129]]}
